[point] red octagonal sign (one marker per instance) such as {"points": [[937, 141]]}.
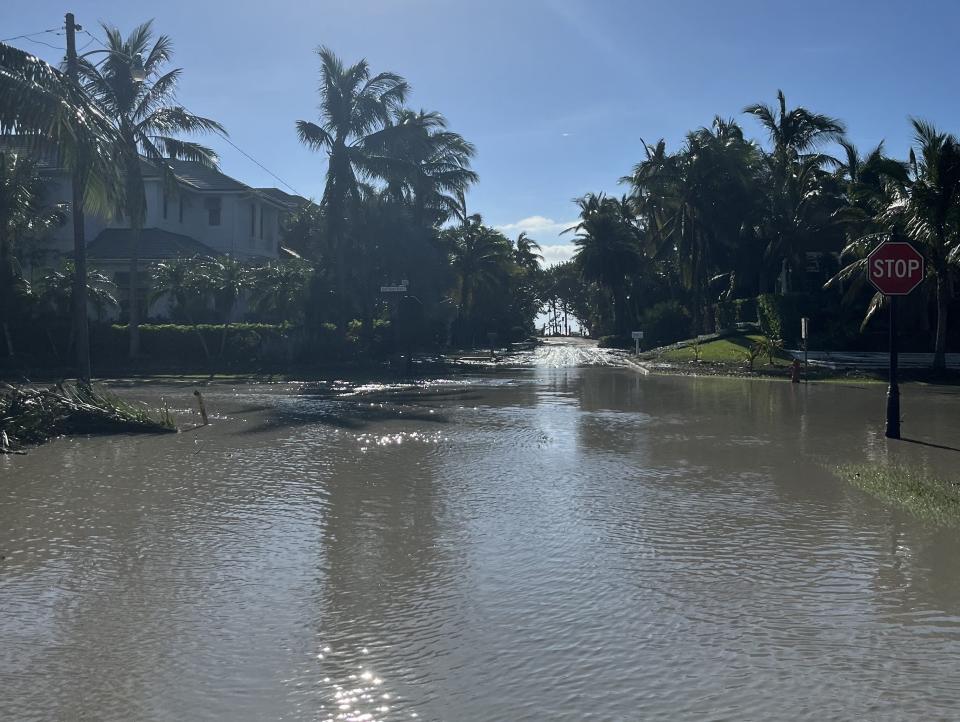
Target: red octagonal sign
{"points": [[895, 268]]}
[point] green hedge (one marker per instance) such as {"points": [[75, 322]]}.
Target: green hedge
{"points": [[664, 323], [727, 314], [779, 316]]}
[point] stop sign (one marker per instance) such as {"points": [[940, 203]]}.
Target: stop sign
{"points": [[895, 268]]}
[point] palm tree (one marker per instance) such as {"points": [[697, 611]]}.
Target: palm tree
{"points": [[145, 117], [794, 133], [921, 206], [181, 281], [23, 214], [55, 292], [526, 254], [355, 128], [51, 111], [608, 249], [226, 279], [279, 289], [797, 202], [480, 256], [434, 166]]}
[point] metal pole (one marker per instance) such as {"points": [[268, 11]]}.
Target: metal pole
{"points": [[893, 390], [79, 296]]}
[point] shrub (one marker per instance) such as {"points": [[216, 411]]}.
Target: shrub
{"points": [[665, 323], [614, 341]]}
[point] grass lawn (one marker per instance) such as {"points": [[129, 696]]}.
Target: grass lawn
{"points": [[731, 350]]}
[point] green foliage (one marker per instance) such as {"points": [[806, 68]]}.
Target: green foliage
{"points": [[728, 314], [613, 341], [772, 348], [665, 323]]}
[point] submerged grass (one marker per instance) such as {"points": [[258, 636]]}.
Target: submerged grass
{"points": [[915, 490], [32, 416]]}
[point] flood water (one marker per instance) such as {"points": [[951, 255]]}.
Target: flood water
{"points": [[552, 543]]}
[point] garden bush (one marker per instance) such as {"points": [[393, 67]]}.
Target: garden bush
{"points": [[665, 323]]}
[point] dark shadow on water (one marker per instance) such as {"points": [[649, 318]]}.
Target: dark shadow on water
{"points": [[930, 444]]}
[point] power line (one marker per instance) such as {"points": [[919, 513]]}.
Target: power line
{"points": [[29, 35], [43, 42], [94, 38]]}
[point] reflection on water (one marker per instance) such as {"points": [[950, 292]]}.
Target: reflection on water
{"points": [[562, 544]]}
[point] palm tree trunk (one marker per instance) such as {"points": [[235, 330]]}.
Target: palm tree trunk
{"points": [[134, 313], [943, 304]]}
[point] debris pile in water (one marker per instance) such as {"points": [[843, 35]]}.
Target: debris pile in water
{"points": [[32, 416]]}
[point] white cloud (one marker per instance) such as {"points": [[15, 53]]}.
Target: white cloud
{"points": [[539, 228], [559, 253], [546, 232]]}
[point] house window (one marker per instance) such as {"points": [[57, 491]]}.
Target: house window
{"points": [[261, 223], [253, 218], [164, 206], [213, 211], [181, 210]]}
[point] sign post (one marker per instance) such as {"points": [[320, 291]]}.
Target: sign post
{"points": [[895, 269], [637, 338], [804, 334]]}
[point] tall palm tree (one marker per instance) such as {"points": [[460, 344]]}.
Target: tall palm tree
{"points": [[796, 132], [145, 117], [924, 209], [51, 111], [794, 177], [527, 253], [356, 109], [434, 166], [608, 250], [480, 257]]}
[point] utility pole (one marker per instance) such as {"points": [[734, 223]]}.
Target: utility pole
{"points": [[78, 183]]}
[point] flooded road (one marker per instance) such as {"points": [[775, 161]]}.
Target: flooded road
{"points": [[556, 543]]}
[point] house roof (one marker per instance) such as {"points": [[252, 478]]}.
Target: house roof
{"points": [[198, 176], [155, 245], [287, 199], [44, 154]]}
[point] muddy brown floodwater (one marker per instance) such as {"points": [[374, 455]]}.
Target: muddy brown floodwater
{"points": [[555, 543]]}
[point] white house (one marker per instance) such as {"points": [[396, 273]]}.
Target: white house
{"points": [[202, 213]]}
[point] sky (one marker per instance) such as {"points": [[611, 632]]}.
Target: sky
{"points": [[557, 95]]}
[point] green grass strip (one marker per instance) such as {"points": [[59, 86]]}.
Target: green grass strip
{"points": [[915, 490]]}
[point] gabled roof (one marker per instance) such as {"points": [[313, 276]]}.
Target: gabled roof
{"points": [[155, 245]]}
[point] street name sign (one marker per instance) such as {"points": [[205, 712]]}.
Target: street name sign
{"points": [[895, 268]]}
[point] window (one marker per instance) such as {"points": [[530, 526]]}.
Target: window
{"points": [[181, 209], [213, 211], [253, 218], [164, 205], [261, 223]]}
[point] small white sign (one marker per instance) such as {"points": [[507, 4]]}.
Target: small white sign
{"points": [[636, 335], [393, 289]]}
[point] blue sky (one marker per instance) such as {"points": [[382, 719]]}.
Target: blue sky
{"points": [[556, 95]]}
